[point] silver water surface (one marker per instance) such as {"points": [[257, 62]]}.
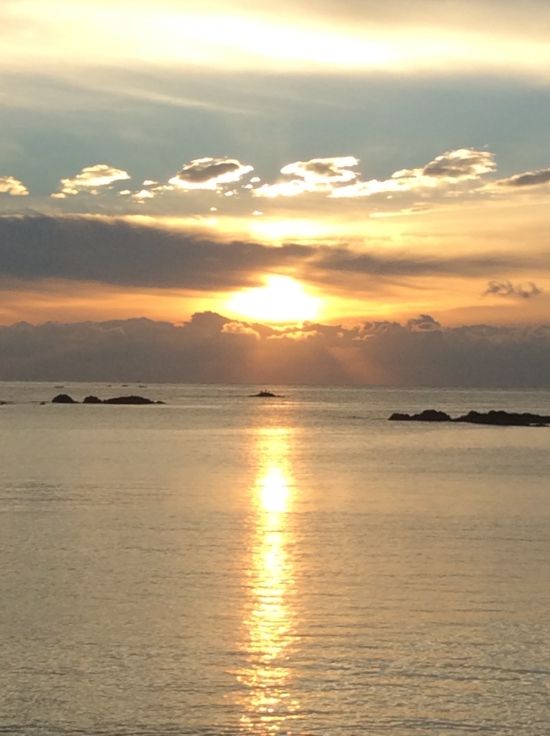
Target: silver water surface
{"points": [[225, 565]]}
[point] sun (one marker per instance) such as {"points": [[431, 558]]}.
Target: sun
{"points": [[282, 299]]}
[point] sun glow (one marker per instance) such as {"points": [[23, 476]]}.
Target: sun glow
{"points": [[282, 299]]}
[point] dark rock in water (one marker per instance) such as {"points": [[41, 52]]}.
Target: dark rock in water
{"points": [[398, 417], [495, 418], [505, 419], [92, 400], [130, 400], [428, 415], [264, 395], [63, 399]]}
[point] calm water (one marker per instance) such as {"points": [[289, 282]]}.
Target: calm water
{"points": [[226, 565]]}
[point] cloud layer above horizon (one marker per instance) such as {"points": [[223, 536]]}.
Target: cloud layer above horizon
{"points": [[213, 348]]}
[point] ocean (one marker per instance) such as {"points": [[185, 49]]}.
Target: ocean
{"points": [[222, 564]]}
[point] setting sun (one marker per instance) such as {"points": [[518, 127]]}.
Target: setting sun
{"points": [[282, 299]]}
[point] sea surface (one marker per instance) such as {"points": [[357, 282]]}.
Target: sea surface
{"points": [[222, 565]]}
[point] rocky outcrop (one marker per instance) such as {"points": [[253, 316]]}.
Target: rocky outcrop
{"points": [[134, 400], [496, 418], [63, 399], [428, 415], [505, 419], [139, 400], [265, 395]]}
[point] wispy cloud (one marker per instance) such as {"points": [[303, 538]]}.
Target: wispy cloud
{"points": [[360, 35]]}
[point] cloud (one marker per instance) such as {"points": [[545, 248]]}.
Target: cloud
{"points": [[335, 176], [210, 173], [13, 187], [213, 348], [459, 165], [527, 179], [507, 289], [449, 169], [296, 335], [315, 175], [117, 252], [90, 179], [431, 36], [424, 323], [239, 328], [397, 264], [141, 196]]}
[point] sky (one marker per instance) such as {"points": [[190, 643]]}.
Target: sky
{"points": [[283, 165]]}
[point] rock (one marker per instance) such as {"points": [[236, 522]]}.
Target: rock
{"points": [[92, 400], [63, 399], [264, 395], [495, 418], [505, 419], [130, 400], [428, 415]]}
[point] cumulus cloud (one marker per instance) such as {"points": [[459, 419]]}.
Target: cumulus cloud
{"points": [[213, 348], [90, 179], [15, 188], [240, 328], [142, 195], [336, 177], [507, 289], [464, 163], [303, 334], [423, 323], [116, 252], [527, 179], [209, 173], [451, 168], [315, 175]]}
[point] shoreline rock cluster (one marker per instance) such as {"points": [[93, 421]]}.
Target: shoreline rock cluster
{"points": [[497, 418], [133, 400]]}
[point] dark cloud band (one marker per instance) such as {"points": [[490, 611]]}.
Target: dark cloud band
{"points": [[117, 252]]}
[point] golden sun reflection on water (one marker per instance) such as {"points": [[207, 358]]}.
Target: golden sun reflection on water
{"points": [[269, 623]]}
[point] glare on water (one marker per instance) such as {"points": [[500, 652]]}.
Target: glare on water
{"points": [[269, 625]]}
